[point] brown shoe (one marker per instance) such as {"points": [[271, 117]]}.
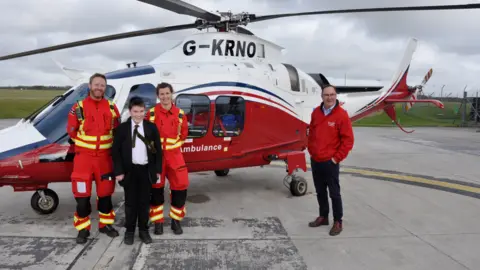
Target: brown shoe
{"points": [[336, 228], [319, 221]]}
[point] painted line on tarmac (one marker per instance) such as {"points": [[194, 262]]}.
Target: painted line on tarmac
{"points": [[449, 185]]}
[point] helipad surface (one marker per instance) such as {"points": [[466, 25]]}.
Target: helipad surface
{"points": [[249, 220]]}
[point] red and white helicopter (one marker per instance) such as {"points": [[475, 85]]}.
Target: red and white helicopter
{"points": [[245, 106]]}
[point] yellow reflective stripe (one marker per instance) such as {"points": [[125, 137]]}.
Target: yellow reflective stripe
{"points": [[177, 145], [106, 215], [172, 215], [156, 217], [107, 220], [157, 209], [94, 138], [112, 108], [151, 113], [83, 225], [75, 219], [177, 211], [105, 146], [170, 140], [80, 129], [92, 146], [181, 118]]}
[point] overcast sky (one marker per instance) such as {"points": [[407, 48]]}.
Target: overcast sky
{"points": [[366, 47]]}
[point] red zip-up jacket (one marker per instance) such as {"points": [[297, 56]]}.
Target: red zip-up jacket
{"points": [[330, 136]]}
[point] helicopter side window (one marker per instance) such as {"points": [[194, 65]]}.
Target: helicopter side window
{"points": [[229, 116], [145, 91], [197, 110], [294, 79]]}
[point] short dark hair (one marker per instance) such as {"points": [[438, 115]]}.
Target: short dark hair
{"points": [[97, 75], [329, 85], [136, 101], [164, 85]]}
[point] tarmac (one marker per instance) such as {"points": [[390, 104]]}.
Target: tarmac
{"points": [[411, 201]]}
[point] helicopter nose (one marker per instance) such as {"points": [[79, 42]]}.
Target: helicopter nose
{"points": [[20, 138]]}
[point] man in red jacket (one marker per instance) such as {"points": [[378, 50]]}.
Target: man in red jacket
{"points": [[91, 122], [330, 140]]}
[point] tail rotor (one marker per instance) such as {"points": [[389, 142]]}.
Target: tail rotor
{"points": [[418, 89]]}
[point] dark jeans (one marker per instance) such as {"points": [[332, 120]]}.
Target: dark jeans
{"points": [[137, 198], [326, 174]]}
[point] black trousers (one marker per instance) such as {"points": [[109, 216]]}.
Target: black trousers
{"points": [[326, 175], [137, 199]]}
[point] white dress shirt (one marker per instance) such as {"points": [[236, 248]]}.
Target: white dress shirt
{"points": [[139, 152]]}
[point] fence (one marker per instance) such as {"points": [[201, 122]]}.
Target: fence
{"points": [[458, 111]]}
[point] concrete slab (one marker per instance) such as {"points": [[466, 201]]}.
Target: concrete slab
{"points": [[394, 253]]}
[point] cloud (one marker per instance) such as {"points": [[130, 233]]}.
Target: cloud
{"points": [[364, 48]]}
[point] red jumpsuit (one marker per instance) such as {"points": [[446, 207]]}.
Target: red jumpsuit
{"points": [[90, 126], [173, 128]]}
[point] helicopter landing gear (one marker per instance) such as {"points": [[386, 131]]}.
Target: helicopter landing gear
{"points": [[223, 172], [44, 201], [294, 161], [297, 184]]}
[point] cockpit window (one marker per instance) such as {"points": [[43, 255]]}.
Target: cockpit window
{"points": [[52, 121], [145, 91]]}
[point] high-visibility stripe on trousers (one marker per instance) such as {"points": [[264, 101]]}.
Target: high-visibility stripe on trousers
{"points": [[178, 213], [156, 214], [106, 219], [81, 223]]}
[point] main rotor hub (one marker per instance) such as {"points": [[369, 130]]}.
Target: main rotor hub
{"points": [[229, 21]]}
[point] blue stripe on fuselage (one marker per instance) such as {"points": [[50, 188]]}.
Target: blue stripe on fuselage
{"points": [[23, 149], [130, 72], [236, 84]]}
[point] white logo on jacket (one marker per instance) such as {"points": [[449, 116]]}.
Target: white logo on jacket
{"points": [[331, 124]]}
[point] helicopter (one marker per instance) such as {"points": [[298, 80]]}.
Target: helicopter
{"points": [[245, 106]]}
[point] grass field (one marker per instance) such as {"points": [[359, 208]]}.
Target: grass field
{"points": [[21, 103], [419, 115]]}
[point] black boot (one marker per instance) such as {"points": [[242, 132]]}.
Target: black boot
{"points": [[109, 230], [128, 238], [145, 237], [177, 229], [82, 236], [158, 229]]}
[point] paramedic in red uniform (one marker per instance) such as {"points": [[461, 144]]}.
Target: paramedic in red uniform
{"points": [[329, 142], [172, 125], [90, 125]]}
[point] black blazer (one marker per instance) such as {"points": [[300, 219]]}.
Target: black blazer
{"points": [[122, 150]]}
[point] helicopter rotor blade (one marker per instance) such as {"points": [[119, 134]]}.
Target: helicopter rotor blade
{"points": [[384, 9], [184, 8], [151, 31]]}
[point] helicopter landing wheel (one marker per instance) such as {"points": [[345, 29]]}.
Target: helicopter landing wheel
{"points": [[222, 172], [44, 201], [297, 185]]}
